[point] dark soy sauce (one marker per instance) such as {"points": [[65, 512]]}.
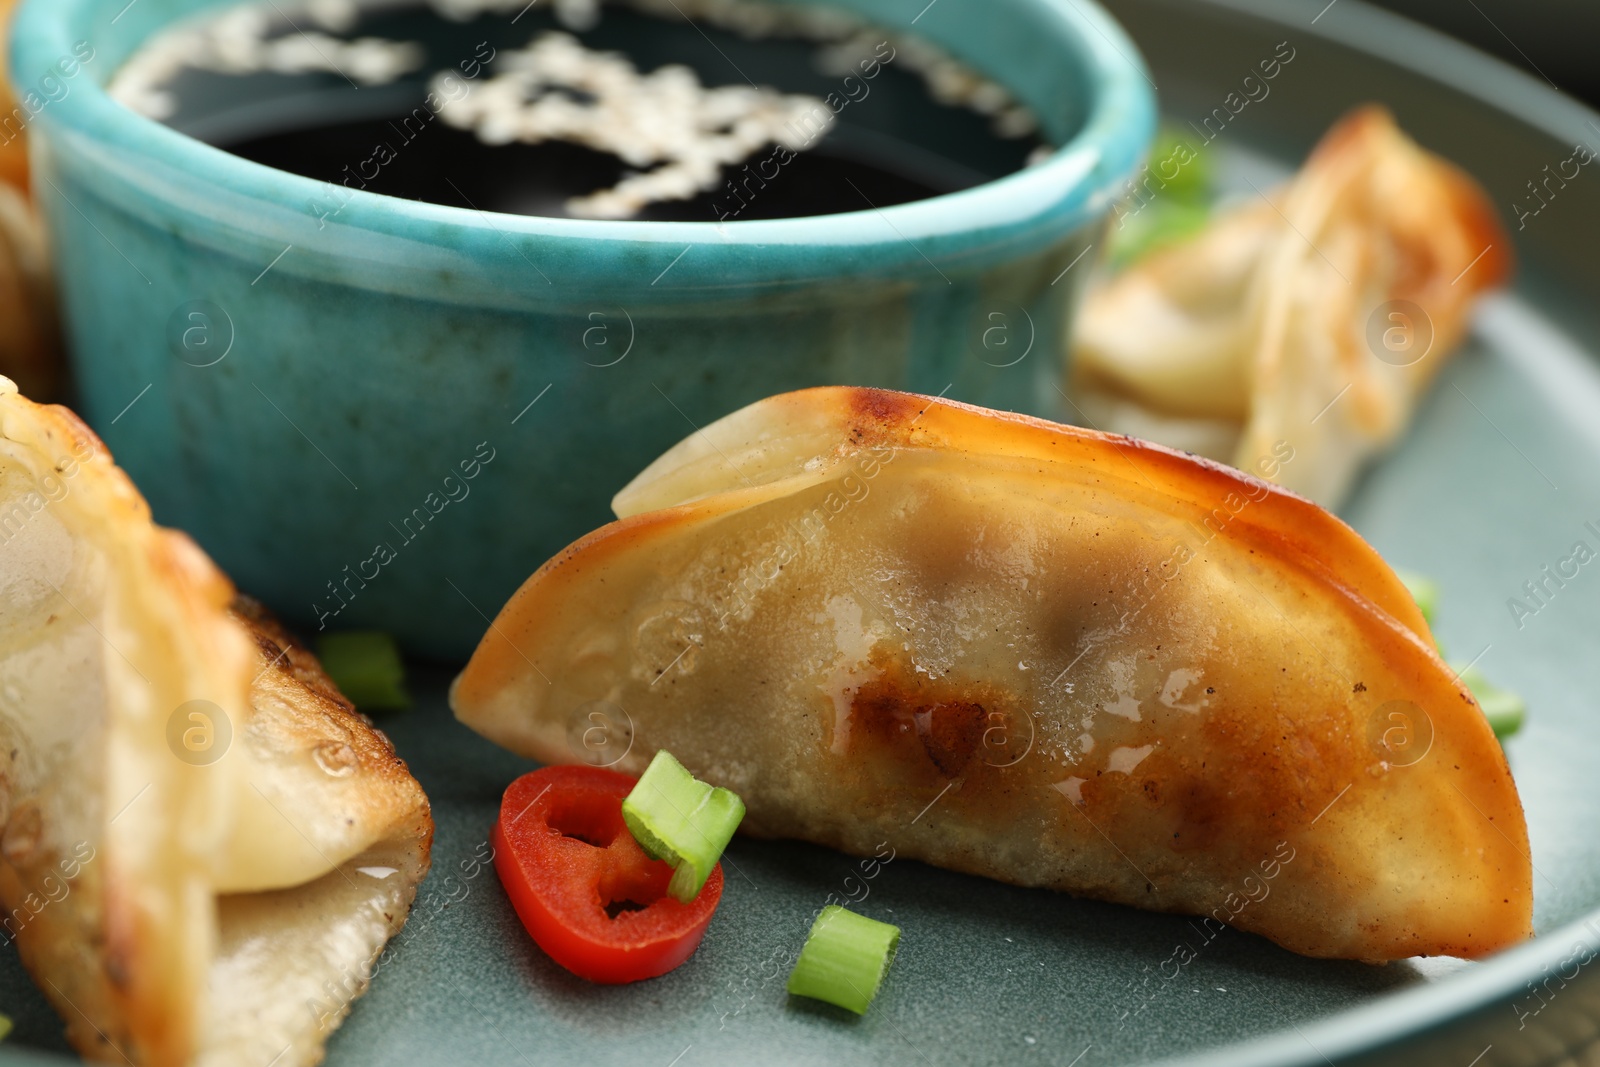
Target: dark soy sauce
{"points": [[891, 144]]}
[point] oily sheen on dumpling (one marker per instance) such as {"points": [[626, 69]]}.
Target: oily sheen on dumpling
{"points": [[1031, 652], [204, 846]]}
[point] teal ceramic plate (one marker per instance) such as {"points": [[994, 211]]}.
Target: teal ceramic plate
{"points": [[1499, 477]]}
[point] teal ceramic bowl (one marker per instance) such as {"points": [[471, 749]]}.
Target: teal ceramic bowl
{"points": [[390, 417]]}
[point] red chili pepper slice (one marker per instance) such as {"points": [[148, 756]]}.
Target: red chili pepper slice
{"points": [[581, 884]]}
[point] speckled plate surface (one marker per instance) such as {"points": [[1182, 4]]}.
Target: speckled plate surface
{"points": [[1498, 478]]}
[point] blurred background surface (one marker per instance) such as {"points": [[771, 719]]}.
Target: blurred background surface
{"points": [[1551, 39]]}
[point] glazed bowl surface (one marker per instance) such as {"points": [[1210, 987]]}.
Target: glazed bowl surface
{"points": [[390, 414]]}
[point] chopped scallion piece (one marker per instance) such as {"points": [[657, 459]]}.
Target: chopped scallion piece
{"points": [[1142, 230], [1182, 170], [1172, 203], [1504, 709], [678, 818], [1424, 590], [844, 959], [365, 665]]}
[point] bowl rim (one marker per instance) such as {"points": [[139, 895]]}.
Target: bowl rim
{"points": [[1068, 189]]}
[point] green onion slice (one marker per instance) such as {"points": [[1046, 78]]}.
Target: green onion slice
{"points": [[1174, 153], [1154, 226], [1424, 590], [844, 959], [1504, 709], [365, 665], [678, 818]]}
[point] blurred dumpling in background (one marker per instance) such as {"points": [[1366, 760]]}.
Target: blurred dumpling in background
{"points": [[30, 332], [1293, 338], [13, 152]]}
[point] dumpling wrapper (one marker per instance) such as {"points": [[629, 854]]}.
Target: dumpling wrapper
{"points": [[1031, 652], [1269, 328], [177, 911]]}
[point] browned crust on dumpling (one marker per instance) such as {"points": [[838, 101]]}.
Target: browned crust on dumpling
{"points": [[326, 722], [287, 653]]}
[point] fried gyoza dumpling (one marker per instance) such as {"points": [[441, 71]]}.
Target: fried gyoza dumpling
{"points": [[205, 848], [1031, 652], [1317, 319]]}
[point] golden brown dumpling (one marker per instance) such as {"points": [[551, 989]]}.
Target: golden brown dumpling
{"points": [[200, 837], [1031, 652], [1314, 322]]}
